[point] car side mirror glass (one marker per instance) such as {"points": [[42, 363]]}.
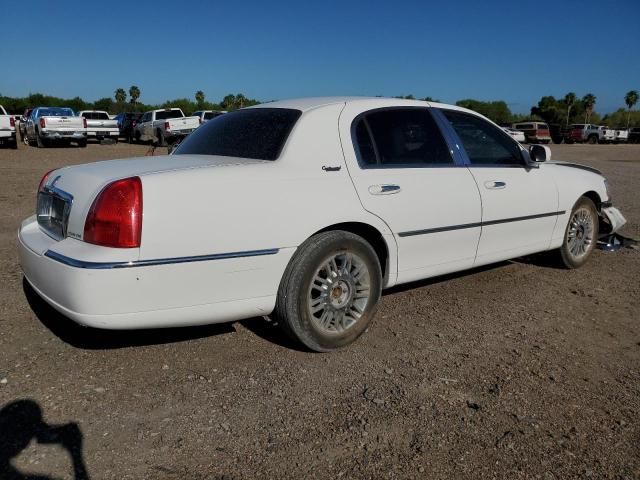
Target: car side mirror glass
{"points": [[539, 153]]}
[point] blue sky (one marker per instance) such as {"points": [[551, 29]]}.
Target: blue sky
{"points": [[516, 51]]}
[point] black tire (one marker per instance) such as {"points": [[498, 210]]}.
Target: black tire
{"points": [[82, 143], [40, 142], [592, 140], [564, 254], [294, 299], [137, 136], [161, 141], [14, 145]]}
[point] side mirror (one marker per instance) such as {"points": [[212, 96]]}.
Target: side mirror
{"points": [[539, 153]]}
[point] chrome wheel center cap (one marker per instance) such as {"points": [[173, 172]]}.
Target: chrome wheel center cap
{"points": [[340, 295]]}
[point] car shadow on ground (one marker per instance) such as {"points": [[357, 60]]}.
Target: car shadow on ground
{"points": [[21, 423], [96, 339]]}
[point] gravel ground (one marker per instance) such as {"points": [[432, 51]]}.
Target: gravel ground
{"points": [[520, 370]]}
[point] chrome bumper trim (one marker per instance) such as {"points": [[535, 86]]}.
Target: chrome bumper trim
{"points": [[72, 262]]}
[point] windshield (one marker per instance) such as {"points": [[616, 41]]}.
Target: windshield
{"points": [[56, 112], [257, 133], [169, 114]]}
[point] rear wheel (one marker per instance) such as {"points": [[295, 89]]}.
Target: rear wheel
{"points": [[593, 139], [329, 291], [160, 138], [82, 143], [581, 234], [137, 136], [40, 142]]}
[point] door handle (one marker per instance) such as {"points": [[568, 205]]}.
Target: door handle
{"points": [[384, 189], [495, 185]]}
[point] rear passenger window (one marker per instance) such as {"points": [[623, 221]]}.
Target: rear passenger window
{"points": [[406, 137], [484, 143]]}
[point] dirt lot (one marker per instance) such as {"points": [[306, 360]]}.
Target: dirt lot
{"points": [[520, 370]]}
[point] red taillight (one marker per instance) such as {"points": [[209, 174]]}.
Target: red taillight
{"points": [[43, 182], [167, 126], [115, 218], [43, 123], [12, 122], [84, 122]]}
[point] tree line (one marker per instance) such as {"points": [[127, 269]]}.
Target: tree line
{"points": [[123, 101], [557, 111]]}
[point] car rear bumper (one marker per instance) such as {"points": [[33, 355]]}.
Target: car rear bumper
{"points": [[133, 295], [7, 134], [103, 132], [62, 134]]}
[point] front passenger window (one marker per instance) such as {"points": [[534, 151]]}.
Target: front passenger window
{"points": [[484, 143]]}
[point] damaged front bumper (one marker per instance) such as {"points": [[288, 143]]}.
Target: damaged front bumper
{"points": [[612, 220]]}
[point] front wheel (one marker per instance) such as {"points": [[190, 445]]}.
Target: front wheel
{"points": [[330, 291], [580, 235]]}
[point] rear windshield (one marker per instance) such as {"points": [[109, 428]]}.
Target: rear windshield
{"points": [[543, 126], [95, 115], [56, 112], [523, 126], [169, 114], [577, 126], [257, 133]]}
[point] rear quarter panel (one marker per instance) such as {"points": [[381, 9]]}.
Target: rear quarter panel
{"points": [[273, 204]]}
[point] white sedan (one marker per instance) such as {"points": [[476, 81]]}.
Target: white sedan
{"points": [[304, 210], [517, 135]]}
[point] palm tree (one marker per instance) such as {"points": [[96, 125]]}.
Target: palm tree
{"points": [[229, 102], [589, 100], [120, 95], [134, 93], [199, 98], [240, 100], [569, 100], [631, 98]]}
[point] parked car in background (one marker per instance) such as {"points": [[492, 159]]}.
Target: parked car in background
{"points": [[606, 134], [8, 129], [22, 127], [100, 125], [622, 135], [634, 135], [55, 124], [126, 123], [585, 133], [534, 132], [165, 125], [206, 115], [517, 135], [189, 238]]}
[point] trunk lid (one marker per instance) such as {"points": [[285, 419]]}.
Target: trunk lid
{"points": [[76, 187]]}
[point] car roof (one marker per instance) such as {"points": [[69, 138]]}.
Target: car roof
{"points": [[310, 103]]}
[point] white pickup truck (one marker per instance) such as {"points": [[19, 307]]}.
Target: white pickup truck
{"points": [[100, 125], [48, 124], [165, 125], [7, 128]]}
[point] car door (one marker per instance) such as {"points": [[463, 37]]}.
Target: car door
{"points": [[146, 127], [519, 202], [405, 173]]}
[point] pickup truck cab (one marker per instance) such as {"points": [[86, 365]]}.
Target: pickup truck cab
{"points": [[534, 132], [206, 115], [100, 125], [165, 125], [49, 124], [7, 128]]}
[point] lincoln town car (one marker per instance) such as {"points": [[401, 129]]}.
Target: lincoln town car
{"points": [[303, 210]]}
